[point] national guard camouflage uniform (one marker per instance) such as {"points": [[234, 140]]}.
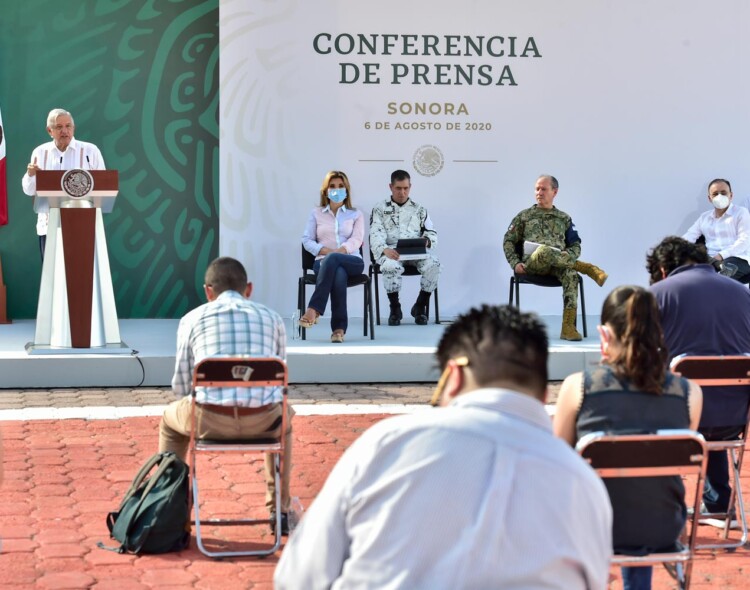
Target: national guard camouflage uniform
{"points": [[550, 227], [390, 222]]}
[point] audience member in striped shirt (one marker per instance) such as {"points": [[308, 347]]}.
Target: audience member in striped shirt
{"points": [[229, 324]]}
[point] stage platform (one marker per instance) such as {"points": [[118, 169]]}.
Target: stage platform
{"points": [[398, 354]]}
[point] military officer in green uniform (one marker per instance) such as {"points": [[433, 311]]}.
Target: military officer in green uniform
{"points": [[557, 253]]}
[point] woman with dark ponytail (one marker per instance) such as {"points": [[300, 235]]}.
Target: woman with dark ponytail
{"points": [[631, 390]]}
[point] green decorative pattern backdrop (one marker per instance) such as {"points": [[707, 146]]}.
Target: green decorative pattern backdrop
{"points": [[141, 79]]}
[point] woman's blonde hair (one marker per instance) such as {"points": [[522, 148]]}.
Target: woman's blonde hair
{"points": [[327, 180]]}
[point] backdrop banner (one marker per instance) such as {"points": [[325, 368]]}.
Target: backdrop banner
{"points": [[633, 106]]}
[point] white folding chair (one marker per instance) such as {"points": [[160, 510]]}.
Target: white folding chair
{"points": [[664, 453], [710, 371], [239, 372]]}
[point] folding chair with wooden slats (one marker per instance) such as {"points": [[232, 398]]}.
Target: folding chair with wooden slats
{"points": [[664, 453], [710, 371], [239, 372]]}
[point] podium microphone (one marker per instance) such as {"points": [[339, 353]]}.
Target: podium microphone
{"points": [[88, 162], [61, 159]]}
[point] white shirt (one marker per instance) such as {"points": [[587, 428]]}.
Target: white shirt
{"points": [[78, 154], [728, 235], [477, 495]]}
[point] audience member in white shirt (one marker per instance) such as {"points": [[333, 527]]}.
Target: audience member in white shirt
{"points": [[476, 494]]}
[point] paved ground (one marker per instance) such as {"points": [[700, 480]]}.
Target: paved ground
{"points": [[358, 393], [63, 476]]}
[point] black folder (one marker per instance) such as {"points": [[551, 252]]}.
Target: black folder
{"points": [[411, 249]]}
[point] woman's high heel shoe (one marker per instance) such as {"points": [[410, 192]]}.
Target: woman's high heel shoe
{"points": [[306, 322]]}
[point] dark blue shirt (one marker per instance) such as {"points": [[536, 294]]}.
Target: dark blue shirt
{"points": [[705, 313]]}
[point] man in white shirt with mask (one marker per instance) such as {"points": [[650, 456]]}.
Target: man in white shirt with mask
{"points": [[726, 229], [64, 152]]}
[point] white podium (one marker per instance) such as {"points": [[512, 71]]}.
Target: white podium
{"points": [[76, 312]]}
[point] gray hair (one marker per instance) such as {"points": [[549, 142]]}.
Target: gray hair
{"points": [[55, 113], [552, 180]]}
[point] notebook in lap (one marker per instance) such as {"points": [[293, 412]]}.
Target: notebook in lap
{"points": [[411, 249]]}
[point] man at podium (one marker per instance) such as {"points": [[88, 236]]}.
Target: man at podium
{"points": [[71, 189], [64, 152]]}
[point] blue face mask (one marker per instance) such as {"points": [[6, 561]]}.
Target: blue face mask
{"points": [[337, 195]]}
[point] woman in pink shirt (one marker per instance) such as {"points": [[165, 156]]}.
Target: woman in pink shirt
{"points": [[333, 234]]}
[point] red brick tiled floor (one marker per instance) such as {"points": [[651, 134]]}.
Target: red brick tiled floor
{"points": [[63, 476]]}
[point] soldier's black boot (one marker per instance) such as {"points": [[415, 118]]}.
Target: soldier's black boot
{"points": [[419, 309], [395, 318]]}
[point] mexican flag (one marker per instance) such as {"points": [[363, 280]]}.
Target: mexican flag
{"points": [[3, 178]]}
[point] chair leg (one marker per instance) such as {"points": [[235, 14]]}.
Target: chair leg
{"points": [[735, 456], [583, 306], [249, 521], [364, 311], [437, 307], [197, 515], [518, 295], [510, 294], [377, 297], [735, 499], [369, 310], [301, 292], [277, 499]]}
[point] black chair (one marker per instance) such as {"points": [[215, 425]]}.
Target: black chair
{"points": [[308, 278], [722, 371], [665, 453], [239, 372], [409, 271], [543, 281]]}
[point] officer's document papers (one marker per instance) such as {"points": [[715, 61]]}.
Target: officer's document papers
{"points": [[530, 247]]}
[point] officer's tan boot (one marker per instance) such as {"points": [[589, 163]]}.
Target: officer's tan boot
{"points": [[569, 331], [592, 271]]}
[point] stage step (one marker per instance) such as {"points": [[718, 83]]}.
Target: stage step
{"points": [[398, 354]]}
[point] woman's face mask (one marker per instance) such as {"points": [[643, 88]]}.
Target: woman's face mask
{"points": [[337, 195]]}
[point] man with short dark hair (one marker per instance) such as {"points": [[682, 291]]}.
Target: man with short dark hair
{"points": [[542, 240], [704, 313], [398, 217], [229, 324], [453, 498], [726, 230]]}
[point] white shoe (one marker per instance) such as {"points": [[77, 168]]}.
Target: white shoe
{"points": [[720, 523]]}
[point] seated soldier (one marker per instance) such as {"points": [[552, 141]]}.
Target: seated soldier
{"points": [[557, 255], [395, 218], [726, 230]]}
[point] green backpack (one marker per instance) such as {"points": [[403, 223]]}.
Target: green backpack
{"points": [[154, 516]]}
